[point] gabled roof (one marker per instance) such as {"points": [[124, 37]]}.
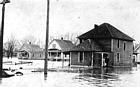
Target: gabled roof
{"points": [[89, 45], [105, 30], [30, 48], [65, 45]]}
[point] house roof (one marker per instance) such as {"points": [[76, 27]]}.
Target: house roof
{"points": [[136, 48], [31, 48], [89, 45], [105, 30], [65, 45]]}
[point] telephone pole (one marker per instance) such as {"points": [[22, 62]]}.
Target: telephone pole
{"points": [[1, 35], [47, 39]]}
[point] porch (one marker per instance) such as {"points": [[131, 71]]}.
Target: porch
{"points": [[100, 59], [58, 55], [23, 55], [93, 59]]}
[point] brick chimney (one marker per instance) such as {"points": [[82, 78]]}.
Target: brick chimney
{"points": [[96, 26], [30, 43]]}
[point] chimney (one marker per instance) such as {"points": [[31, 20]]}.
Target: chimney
{"points": [[95, 26]]}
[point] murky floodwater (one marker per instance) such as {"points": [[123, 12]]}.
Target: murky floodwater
{"points": [[77, 77]]}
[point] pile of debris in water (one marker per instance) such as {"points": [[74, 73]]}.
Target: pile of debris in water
{"points": [[9, 73]]}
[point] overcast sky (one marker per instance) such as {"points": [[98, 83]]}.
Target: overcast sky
{"points": [[28, 17]]}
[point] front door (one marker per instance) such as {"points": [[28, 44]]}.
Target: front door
{"points": [[105, 60], [97, 60]]}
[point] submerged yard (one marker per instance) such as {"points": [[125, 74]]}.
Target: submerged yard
{"points": [[68, 77]]}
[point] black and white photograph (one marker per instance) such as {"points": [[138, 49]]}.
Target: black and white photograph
{"points": [[69, 43]]}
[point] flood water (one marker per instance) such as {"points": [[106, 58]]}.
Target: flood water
{"points": [[76, 77]]}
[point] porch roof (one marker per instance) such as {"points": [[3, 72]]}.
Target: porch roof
{"points": [[65, 45], [89, 46], [54, 50]]}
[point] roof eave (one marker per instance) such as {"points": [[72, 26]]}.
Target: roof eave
{"points": [[124, 39]]}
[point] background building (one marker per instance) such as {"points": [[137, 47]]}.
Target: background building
{"points": [[31, 51], [59, 49]]}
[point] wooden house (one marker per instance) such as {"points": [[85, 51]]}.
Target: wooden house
{"points": [[59, 49], [104, 45], [31, 51], [136, 53]]}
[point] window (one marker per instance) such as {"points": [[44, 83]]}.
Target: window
{"points": [[118, 57], [65, 55], [54, 46], [124, 46], [33, 55], [118, 43], [81, 57]]}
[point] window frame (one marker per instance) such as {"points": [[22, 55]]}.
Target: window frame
{"points": [[124, 46], [118, 43], [81, 57], [118, 57]]}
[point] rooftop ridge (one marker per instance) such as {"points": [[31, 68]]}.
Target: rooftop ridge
{"points": [[112, 31], [106, 24]]}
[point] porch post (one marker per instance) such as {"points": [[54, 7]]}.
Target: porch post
{"points": [[57, 54], [78, 56], [70, 59], [92, 59], [137, 59], [61, 55], [102, 60], [63, 61], [50, 55]]}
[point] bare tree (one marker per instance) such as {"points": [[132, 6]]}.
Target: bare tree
{"points": [[32, 40], [10, 46], [71, 37], [40, 43]]}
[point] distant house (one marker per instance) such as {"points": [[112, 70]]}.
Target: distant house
{"points": [[104, 45], [137, 53], [31, 51], [4, 52], [59, 49]]}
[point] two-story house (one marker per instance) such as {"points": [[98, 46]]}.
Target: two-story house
{"points": [[104, 45]]}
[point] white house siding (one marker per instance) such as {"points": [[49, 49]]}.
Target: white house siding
{"points": [[138, 56], [51, 46]]}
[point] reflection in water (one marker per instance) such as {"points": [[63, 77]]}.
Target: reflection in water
{"points": [[76, 77], [45, 76], [0, 80], [102, 76]]}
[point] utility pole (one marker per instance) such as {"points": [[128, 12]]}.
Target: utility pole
{"points": [[47, 39], [1, 35]]}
